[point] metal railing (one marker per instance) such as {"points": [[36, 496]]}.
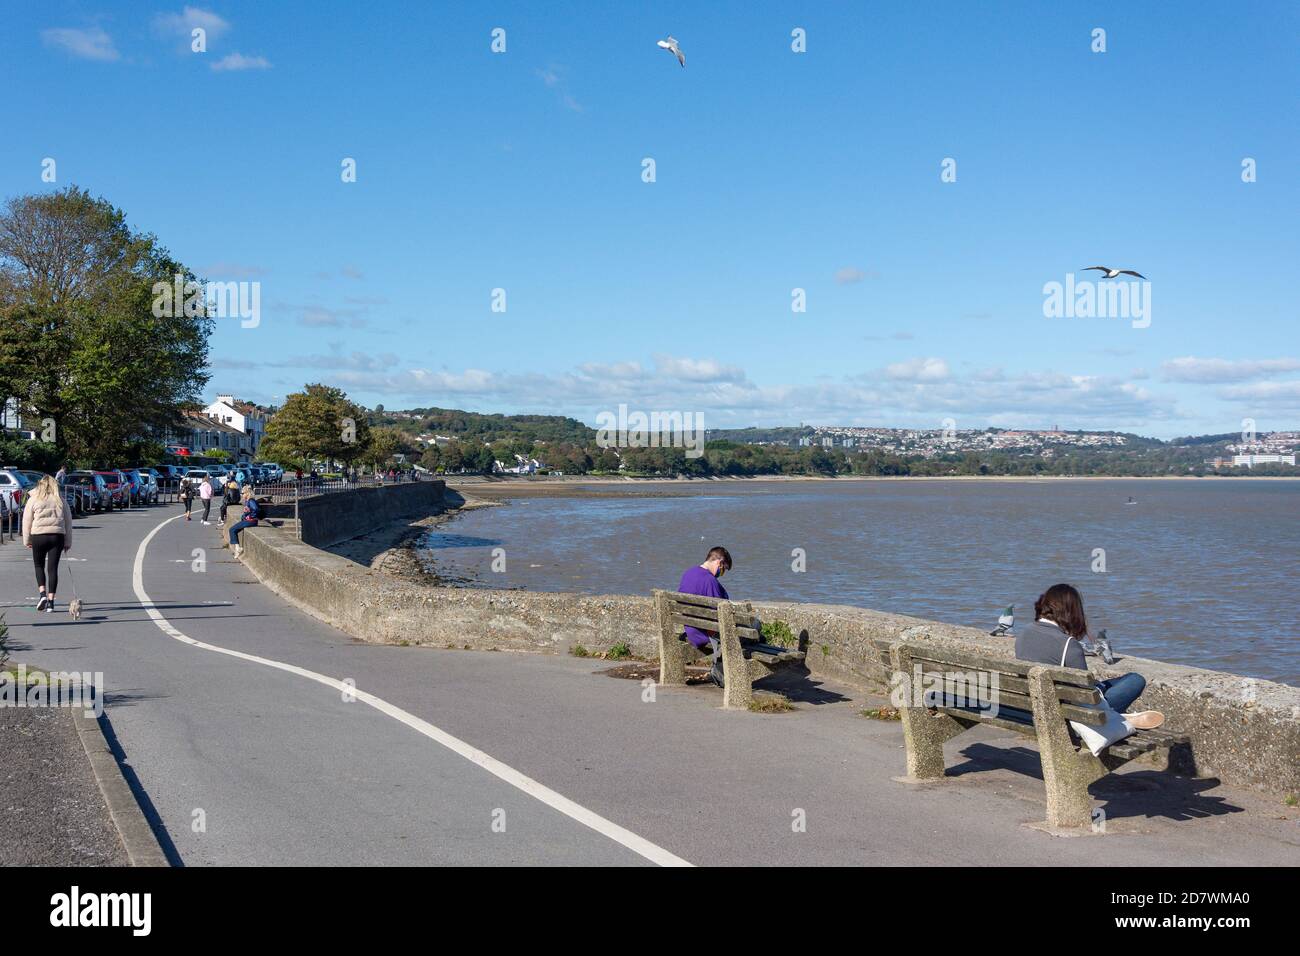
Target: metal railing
{"points": [[283, 492]]}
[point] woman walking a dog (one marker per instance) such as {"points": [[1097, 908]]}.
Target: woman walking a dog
{"points": [[47, 530]]}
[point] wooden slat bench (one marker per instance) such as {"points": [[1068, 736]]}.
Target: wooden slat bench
{"points": [[1031, 699], [745, 658]]}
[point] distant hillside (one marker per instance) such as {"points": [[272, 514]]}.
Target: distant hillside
{"points": [[551, 429]]}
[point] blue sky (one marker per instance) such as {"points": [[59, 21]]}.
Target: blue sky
{"points": [[775, 170]]}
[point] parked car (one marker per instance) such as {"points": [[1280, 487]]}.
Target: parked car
{"points": [[73, 496], [194, 477], [93, 487], [169, 477], [147, 488], [135, 487], [155, 478], [13, 488], [118, 490], [273, 471]]}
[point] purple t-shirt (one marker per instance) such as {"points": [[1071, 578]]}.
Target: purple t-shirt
{"points": [[696, 580]]}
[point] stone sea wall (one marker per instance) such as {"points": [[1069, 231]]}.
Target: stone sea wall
{"points": [[1245, 732]]}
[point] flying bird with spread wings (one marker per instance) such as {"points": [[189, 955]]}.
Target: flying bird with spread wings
{"points": [[671, 46], [1114, 273]]}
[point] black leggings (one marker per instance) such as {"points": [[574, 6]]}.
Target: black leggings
{"points": [[46, 549]]}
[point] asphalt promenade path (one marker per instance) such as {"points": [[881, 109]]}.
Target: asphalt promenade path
{"points": [[234, 715]]}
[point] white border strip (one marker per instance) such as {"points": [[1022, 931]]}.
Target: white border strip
{"points": [[620, 835]]}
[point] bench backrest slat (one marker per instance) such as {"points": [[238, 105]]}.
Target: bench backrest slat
{"points": [[938, 658], [705, 609]]}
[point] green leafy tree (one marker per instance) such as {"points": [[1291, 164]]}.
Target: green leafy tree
{"points": [[81, 347], [319, 422], [384, 444]]}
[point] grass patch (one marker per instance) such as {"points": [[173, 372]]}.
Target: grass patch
{"points": [[826, 650], [577, 650], [619, 651], [883, 712], [1292, 800], [770, 704], [779, 633]]}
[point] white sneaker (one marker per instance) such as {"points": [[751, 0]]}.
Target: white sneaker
{"points": [[206, 523]]}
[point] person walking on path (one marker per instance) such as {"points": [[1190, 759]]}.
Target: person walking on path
{"points": [[230, 496], [252, 514], [47, 530], [187, 497], [61, 474], [205, 495]]}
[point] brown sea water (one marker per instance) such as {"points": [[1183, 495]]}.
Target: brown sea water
{"points": [[1201, 573]]}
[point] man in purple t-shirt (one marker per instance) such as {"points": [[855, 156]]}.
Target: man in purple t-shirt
{"points": [[703, 579]]}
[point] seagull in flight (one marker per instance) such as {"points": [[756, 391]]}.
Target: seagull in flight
{"points": [[671, 46], [1114, 273]]}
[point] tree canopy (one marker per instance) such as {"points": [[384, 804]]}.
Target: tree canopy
{"points": [[81, 348]]}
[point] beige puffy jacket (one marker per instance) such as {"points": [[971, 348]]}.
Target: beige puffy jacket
{"points": [[48, 516]]}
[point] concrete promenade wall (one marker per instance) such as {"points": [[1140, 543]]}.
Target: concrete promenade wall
{"points": [[330, 519], [1245, 732]]}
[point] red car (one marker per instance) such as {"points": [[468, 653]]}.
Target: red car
{"points": [[119, 489]]}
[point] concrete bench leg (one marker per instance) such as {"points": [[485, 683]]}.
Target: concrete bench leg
{"points": [[737, 691], [1067, 770], [924, 733], [672, 655]]}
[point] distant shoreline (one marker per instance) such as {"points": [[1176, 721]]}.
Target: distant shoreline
{"points": [[509, 486]]}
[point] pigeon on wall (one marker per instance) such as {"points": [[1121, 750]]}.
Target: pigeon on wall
{"points": [[1006, 621]]}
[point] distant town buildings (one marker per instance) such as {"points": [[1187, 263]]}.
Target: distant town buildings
{"points": [[1250, 461], [200, 433], [245, 417], [928, 443]]}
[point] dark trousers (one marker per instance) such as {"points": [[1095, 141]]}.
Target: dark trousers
{"points": [[46, 549], [207, 507], [188, 503]]}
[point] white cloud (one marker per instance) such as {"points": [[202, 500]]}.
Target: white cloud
{"points": [[728, 398], [1216, 370], [91, 43], [919, 370], [697, 370], [554, 78], [849, 275], [238, 61], [1279, 394], [181, 25]]}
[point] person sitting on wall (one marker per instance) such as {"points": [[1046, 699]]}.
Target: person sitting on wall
{"points": [[1053, 639], [252, 514], [705, 581]]}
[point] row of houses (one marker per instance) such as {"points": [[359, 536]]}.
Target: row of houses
{"points": [[226, 424]]}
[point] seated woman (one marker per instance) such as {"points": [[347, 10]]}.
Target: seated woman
{"points": [[1054, 638], [252, 514]]}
